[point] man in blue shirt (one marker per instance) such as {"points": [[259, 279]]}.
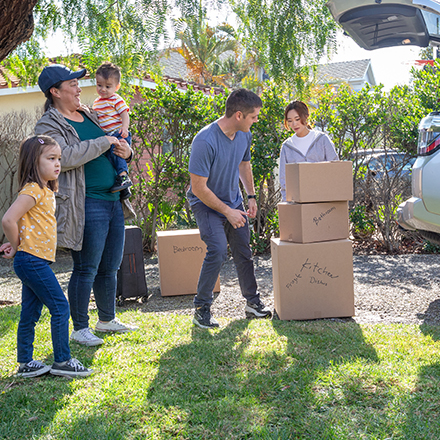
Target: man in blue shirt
{"points": [[220, 158]]}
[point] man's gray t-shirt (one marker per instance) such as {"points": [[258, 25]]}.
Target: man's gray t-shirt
{"points": [[215, 156]]}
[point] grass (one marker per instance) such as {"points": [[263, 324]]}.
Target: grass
{"points": [[246, 380]]}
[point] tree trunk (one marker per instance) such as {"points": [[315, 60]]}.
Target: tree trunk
{"points": [[16, 24]]}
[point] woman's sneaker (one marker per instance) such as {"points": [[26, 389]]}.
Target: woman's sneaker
{"points": [[33, 369], [114, 326], [85, 337], [71, 368], [257, 310]]}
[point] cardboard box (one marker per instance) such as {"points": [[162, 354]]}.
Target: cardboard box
{"points": [[180, 254], [312, 222], [308, 182], [313, 280]]}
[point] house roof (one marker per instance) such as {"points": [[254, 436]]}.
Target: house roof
{"points": [[173, 65], [346, 71]]}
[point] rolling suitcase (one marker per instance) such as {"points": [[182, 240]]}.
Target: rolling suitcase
{"points": [[131, 275]]}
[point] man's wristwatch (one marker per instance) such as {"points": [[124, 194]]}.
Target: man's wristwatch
{"points": [[252, 197]]}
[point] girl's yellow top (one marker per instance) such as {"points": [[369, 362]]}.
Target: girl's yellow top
{"points": [[38, 227]]}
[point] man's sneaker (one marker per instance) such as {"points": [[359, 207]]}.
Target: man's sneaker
{"points": [[125, 194], [85, 337], [33, 369], [203, 318], [121, 182], [71, 368], [114, 326], [257, 310]]}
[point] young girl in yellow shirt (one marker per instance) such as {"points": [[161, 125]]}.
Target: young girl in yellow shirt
{"points": [[30, 226]]}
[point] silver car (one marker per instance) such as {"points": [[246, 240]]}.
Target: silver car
{"points": [[422, 210]]}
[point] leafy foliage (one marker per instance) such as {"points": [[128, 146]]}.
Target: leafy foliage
{"points": [[286, 36], [164, 125], [268, 135], [121, 31], [426, 85]]}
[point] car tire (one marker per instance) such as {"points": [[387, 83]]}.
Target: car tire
{"points": [[433, 237]]}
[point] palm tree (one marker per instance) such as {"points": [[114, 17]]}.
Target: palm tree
{"points": [[205, 47]]}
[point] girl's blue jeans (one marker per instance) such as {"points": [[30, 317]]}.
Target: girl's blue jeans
{"points": [[40, 287], [96, 264]]}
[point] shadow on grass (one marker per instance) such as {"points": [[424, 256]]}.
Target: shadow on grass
{"points": [[255, 382], [29, 405], [423, 410]]}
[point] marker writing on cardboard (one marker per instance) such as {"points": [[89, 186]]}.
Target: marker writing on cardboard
{"points": [[294, 281], [323, 214], [177, 249], [316, 268], [314, 280]]}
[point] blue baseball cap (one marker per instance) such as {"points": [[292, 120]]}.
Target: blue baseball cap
{"points": [[55, 73]]}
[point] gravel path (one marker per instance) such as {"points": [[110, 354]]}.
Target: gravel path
{"points": [[388, 288]]}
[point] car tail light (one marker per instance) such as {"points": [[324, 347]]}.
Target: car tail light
{"points": [[429, 134]]}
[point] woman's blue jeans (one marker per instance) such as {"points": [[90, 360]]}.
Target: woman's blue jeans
{"points": [[217, 233], [40, 287], [96, 264]]}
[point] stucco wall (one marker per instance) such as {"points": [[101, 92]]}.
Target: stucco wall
{"points": [[17, 99]]}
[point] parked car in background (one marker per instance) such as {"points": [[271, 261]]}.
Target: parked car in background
{"points": [[382, 163], [422, 211]]}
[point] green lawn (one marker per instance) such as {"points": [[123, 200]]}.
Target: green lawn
{"points": [[247, 380]]}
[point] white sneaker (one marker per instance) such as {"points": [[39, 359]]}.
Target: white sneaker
{"points": [[114, 326], [85, 337]]}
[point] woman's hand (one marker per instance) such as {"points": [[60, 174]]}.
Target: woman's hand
{"points": [[122, 149]]}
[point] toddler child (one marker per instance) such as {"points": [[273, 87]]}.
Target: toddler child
{"points": [[30, 226], [114, 120]]}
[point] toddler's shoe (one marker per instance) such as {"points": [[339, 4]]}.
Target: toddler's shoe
{"points": [[121, 182], [125, 194], [71, 368], [32, 369]]}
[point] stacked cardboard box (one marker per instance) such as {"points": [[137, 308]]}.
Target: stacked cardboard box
{"points": [[313, 260], [180, 254]]}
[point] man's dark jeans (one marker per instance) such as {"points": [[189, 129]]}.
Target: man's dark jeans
{"points": [[217, 233]]}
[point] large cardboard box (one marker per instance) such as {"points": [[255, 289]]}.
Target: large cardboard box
{"points": [[308, 182], [312, 222], [180, 254], [313, 280]]}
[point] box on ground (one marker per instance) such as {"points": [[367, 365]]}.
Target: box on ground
{"points": [[313, 280], [180, 254], [310, 182], [312, 222]]}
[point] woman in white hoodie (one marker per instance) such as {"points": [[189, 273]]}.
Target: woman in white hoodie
{"points": [[306, 145]]}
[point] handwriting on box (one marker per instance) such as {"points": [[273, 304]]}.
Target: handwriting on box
{"points": [[316, 220], [312, 273], [177, 249]]}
